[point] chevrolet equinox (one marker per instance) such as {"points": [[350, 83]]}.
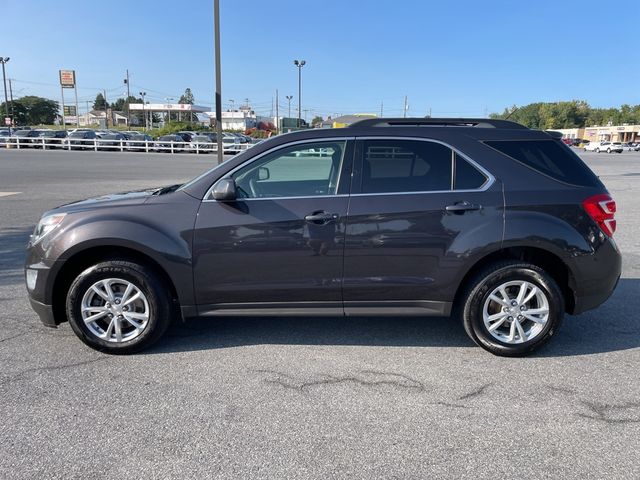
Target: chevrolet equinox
{"points": [[486, 220]]}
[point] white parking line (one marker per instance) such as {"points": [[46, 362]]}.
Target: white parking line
{"points": [[8, 194]]}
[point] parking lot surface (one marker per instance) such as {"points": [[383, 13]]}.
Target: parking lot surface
{"points": [[307, 397]]}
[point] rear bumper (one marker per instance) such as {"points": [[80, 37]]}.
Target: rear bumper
{"points": [[596, 277]]}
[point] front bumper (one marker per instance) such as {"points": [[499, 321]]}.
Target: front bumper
{"points": [[45, 312]]}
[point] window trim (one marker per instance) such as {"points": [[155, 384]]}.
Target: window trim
{"points": [[209, 198], [490, 179]]}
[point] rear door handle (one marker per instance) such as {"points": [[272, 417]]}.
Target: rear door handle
{"points": [[321, 217], [461, 207]]}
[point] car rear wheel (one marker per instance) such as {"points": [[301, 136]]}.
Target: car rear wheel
{"points": [[608, 150], [597, 150], [512, 308], [118, 307]]}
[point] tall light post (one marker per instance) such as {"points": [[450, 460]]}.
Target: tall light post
{"points": [[299, 64], [231, 103], [144, 116], [289, 97], [4, 80], [216, 41], [168, 99]]}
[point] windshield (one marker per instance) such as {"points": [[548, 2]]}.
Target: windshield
{"points": [[76, 135]]}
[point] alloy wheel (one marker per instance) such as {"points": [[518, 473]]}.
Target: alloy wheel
{"points": [[516, 312], [115, 310]]}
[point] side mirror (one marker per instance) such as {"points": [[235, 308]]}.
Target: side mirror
{"points": [[263, 173], [225, 190]]}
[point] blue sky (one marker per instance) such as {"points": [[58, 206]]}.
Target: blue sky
{"points": [[457, 58]]}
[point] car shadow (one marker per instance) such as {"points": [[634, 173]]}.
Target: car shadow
{"points": [[13, 241], [611, 327]]}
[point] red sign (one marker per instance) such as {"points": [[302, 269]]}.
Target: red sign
{"points": [[68, 78]]}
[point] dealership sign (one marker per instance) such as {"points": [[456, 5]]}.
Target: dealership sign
{"points": [[67, 78]]}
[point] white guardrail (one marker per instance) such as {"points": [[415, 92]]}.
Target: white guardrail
{"points": [[101, 144]]}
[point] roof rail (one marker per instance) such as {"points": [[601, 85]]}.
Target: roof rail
{"points": [[438, 122]]}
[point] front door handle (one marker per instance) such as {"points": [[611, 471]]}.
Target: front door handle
{"points": [[461, 207], [321, 218]]}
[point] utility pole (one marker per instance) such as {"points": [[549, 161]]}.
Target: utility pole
{"points": [[381, 109], [305, 114], [126, 82], [4, 79], [277, 114], [87, 115], [75, 91], [106, 109], [11, 100], [299, 64], [405, 107], [216, 29], [144, 115]]}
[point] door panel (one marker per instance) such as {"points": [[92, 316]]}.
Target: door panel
{"points": [[262, 254], [406, 250]]}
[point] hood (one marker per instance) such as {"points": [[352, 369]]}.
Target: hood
{"points": [[135, 197]]}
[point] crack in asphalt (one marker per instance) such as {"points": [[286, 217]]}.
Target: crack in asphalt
{"points": [[47, 368], [367, 378], [611, 413], [475, 393]]}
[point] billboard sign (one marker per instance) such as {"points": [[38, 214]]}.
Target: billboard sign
{"points": [[67, 78], [69, 110]]}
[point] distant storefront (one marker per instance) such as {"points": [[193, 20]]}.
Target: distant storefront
{"points": [[612, 133]]}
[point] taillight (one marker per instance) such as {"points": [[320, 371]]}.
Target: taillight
{"points": [[602, 208]]}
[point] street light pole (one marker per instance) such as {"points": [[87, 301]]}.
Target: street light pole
{"points": [[144, 115], [299, 64], [216, 34], [4, 80], [289, 97]]}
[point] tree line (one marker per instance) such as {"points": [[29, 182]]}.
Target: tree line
{"points": [[572, 114]]}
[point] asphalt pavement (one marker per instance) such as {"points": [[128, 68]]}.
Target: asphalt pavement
{"points": [[307, 397]]}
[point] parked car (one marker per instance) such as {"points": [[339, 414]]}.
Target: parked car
{"points": [[485, 219], [5, 137], [23, 137], [202, 144], [52, 139], [629, 147], [169, 143], [111, 140], [608, 147], [137, 141], [81, 139]]}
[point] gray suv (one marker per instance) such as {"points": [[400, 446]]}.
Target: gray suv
{"points": [[486, 220]]}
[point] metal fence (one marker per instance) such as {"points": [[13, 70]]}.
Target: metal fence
{"points": [[100, 144]]}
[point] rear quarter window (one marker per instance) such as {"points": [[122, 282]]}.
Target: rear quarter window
{"points": [[549, 157]]}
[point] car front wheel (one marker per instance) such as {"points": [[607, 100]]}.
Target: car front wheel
{"points": [[118, 307], [512, 308]]}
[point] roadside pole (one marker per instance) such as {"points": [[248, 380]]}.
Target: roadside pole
{"points": [[75, 90], [216, 29], [64, 123], [128, 96], [277, 114]]}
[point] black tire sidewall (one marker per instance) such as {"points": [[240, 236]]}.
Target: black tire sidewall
{"points": [[473, 319], [141, 277]]}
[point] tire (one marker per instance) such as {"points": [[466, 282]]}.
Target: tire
{"points": [[608, 150], [476, 301], [597, 150], [136, 333]]}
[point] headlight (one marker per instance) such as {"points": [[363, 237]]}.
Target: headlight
{"points": [[45, 226]]}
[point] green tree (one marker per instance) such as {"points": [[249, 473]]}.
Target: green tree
{"points": [[100, 103], [32, 110], [317, 120], [187, 97]]}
